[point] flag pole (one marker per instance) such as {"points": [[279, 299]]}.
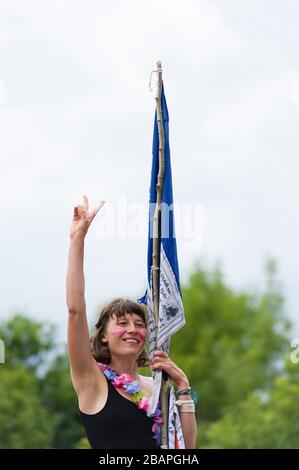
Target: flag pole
{"points": [[165, 385]]}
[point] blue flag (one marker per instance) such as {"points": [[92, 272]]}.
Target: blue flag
{"points": [[171, 312]]}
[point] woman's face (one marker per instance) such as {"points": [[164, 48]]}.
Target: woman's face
{"points": [[126, 335]]}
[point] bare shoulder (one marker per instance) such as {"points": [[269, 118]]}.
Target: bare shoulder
{"points": [[150, 379], [147, 383]]}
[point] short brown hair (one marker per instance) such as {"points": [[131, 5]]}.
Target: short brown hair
{"points": [[117, 308]]}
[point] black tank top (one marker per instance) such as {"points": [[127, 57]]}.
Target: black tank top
{"points": [[119, 425]]}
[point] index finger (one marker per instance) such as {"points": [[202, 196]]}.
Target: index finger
{"points": [[96, 209]]}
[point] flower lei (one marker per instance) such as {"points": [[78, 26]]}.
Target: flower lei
{"points": [[132, 387]]}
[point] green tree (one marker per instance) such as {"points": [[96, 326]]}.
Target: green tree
{"points": [[264, 420], [232, 348], [59, 399], [232, 341], [27, 341], [30, 349], [24, 422]]}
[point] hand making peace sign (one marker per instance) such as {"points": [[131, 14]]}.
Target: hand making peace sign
{"points": [[83, 217]]}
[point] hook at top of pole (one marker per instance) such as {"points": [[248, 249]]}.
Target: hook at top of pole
{"points": [[158, 71], [159, 66]]}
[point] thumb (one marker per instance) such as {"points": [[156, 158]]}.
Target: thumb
{"points": [[76, 214]]}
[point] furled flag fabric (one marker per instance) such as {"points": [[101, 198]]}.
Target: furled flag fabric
{"points": [[171, 312]]}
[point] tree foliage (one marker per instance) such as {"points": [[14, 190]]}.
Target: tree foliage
{"points": [[268, 420], [233, 348], [27, 341], [232, 342], [24, 422]]}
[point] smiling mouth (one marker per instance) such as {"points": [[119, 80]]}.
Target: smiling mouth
{"points": [[131, 341]]}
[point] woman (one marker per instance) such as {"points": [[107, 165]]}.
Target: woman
{"points": [[104, 371]]}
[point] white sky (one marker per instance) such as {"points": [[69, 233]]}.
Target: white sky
{"points": [[76, 116]]}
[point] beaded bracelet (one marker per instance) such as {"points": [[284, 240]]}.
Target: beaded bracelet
{"points": [[187, 391], [184, 391]]}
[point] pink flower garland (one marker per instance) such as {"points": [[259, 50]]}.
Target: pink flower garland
{"points": [[132, 387]]}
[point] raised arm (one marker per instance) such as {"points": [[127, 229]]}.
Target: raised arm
{"points": [[83, 367]]}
